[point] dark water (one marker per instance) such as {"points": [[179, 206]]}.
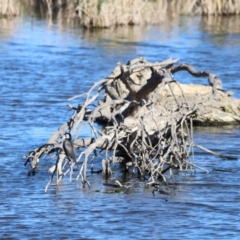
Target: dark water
{"points": [[42, 65]]}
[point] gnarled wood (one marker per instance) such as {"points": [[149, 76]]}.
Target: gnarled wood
{"points": [[148, 117]]}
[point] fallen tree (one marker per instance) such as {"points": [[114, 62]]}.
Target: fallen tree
{"points": [[148, 119]]}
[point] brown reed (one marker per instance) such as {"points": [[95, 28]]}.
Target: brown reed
{"points": [[108, 13], [10, 7], [114, 12]]}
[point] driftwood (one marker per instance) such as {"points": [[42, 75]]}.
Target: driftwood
{"points": [[148, 119]]}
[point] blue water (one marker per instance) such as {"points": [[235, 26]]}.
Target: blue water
{"points": [[42, 65]]}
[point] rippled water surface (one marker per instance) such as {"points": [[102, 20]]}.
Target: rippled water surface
{"points": [[43, 64]]}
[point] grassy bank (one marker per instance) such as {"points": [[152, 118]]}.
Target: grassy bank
{"points": [[107, 13]]}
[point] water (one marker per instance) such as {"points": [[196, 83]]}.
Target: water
{"points": [[42, 64]]}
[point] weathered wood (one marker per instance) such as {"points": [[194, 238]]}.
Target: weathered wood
{"points": [[148, 117]]}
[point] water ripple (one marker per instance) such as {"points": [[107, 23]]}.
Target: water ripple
{"points": [[41, 67]]}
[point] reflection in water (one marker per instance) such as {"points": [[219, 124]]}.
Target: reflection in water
{"points": [[218, 27], [223, 30], [8, 27], [221, 25]]}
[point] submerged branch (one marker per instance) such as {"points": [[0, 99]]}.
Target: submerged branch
{"points": [[148, 125], [215, 153]]}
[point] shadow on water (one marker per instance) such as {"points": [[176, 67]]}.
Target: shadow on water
{"points": [[44, 63]]}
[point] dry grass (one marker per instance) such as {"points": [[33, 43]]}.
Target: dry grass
{"points": [[219, 7], [107, 13], [204, 7], [10, 7], [114, 12]]}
